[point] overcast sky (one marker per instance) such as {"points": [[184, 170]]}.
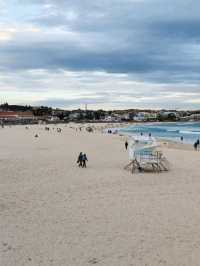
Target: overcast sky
{"points": [[104, 53]]}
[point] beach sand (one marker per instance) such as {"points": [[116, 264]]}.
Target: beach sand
{"points": [[53, 213]]}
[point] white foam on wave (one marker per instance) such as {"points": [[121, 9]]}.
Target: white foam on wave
{"points": [[190, 132]]}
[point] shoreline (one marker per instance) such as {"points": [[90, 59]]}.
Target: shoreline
{"points": [[102, 127]]}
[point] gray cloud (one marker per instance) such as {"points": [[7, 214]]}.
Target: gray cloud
{"points": [[150, 42]]}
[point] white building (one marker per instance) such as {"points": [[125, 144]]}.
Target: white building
{"points": [[75, 115], [145, 116], [110, 118]]}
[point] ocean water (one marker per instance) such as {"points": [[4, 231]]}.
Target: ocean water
{"points": [[190, 131]]}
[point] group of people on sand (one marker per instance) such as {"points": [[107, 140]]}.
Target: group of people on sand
{"points": [[82, 158]]}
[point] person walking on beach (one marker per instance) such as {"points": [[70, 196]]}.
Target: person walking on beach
{"points": [[195, 146], [126, 145], [84, 159], [198, 144], [80, 160]]}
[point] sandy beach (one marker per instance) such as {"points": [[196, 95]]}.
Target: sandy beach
{"points": [[53, 213]]}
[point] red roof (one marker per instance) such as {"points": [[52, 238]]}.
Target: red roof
{"points": [[8, 114], [25, 114]]}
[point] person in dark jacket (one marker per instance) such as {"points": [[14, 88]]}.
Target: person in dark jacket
{"points": [[84, 159], [80, 159], [126, 145], [198, 142], [195, 146]]}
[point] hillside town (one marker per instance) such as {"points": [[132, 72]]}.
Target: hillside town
{"points": [[18, 114]]}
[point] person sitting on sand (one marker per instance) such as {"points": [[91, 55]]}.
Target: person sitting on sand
{"points": [[84, 159], [80, 159]]}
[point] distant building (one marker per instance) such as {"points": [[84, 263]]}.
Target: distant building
{"points": [[53, 119], [74, 116], [112, 118], [8, 115], [169, 115], [108, 118], [125, 117], [193, 117], [16, 116], [145, 116], [26, 115]]}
